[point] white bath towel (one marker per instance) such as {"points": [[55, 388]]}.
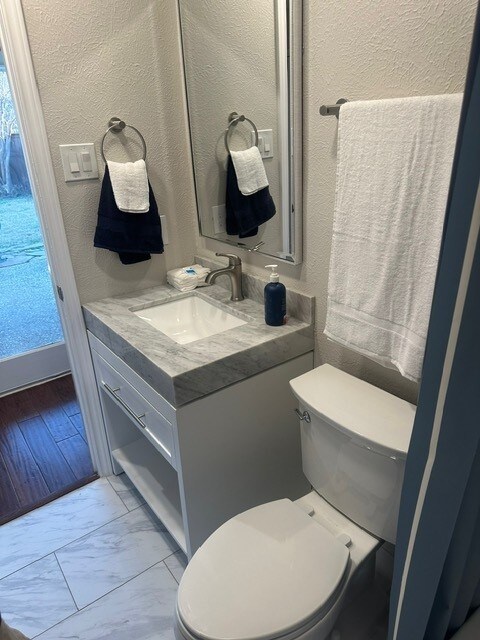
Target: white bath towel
{"points": [[251, 176], [130, 185], [393, 174]]}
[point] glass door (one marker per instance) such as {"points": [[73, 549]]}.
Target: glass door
{"points": [[31, 339]]}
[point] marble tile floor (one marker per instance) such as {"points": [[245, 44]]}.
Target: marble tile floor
{"points": [[95, 564]]}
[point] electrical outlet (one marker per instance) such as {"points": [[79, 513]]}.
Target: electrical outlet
{"points": [[163, 222], [219, 214]]}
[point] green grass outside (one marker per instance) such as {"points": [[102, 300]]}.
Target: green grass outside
{"points": [[28, 312]]}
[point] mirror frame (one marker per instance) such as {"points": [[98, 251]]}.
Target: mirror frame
{"points": [[289, 23]]}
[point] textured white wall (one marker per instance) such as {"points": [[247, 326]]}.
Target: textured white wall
{"points": [[363, 49], [101, 58]]}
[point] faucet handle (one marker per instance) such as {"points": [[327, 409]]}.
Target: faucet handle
{"points": [[233, 260]]}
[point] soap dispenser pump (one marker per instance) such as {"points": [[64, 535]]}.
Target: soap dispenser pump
{"points": [[275, 299]]}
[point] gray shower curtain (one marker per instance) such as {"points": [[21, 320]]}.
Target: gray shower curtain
{"points": [[436, 583]]}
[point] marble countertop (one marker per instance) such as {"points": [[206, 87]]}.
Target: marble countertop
{"points": [[183, 373]]}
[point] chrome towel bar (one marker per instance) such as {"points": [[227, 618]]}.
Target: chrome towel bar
{"points": [[332, 109], [233, 120], [115, 125]]}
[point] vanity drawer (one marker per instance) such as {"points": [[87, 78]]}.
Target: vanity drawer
{"points": [[157, 401], [153, 424]]}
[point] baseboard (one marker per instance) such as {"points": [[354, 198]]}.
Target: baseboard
{"points": [[33, 367]]}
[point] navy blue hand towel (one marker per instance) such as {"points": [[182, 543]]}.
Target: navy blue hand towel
{"points": [[246, 213], [134, 236]]}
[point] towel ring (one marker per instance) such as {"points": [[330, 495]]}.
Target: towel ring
{"points": [[115, 125], [233, 120]]}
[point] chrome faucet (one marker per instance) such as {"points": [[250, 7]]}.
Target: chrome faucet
{"points": [[233, 271]]}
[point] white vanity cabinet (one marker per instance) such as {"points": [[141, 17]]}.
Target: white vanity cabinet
{"points": [[200, 464]]}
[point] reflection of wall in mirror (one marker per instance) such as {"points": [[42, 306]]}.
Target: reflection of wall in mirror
{"points": [[230, 63]]}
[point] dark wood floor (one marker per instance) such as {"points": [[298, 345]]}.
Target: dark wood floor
{"points": [[43, 448]]}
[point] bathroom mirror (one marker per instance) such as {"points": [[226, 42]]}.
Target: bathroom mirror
{"points": [[245, 58]]}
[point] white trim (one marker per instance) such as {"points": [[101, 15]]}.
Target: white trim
{"points": [[283, 103], [296, 131], [447, 369], [21, 74], [31, 367]]}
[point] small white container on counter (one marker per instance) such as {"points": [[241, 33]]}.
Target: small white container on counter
{"points": [[187, 278]]}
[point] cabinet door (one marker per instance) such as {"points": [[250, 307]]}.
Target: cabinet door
{"points": [[240, 447]]}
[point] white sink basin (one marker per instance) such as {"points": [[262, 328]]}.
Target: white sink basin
{"points": [[189, 319]]}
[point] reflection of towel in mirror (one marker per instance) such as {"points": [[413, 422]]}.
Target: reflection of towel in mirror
{"points": [[133, 236], [246, 213], [251, 175]]}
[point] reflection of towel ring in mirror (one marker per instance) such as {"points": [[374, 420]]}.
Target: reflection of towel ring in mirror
{"points": [[233, 120], [115, 125]]}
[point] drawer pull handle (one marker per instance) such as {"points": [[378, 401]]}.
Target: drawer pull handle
{"points": [[305, 416], [121, 401]]}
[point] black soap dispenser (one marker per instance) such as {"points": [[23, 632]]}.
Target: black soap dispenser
{"points": [[275, 299]]}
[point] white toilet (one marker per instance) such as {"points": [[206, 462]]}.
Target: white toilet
{"points": [[285, 569]]}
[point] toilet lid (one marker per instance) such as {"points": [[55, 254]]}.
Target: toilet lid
{"points": [[264, 573]]}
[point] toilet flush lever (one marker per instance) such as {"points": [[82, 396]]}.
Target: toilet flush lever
{"points": [[305, 416]]}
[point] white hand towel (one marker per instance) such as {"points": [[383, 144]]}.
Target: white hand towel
{"points": [[130, 185], [393, 174], [251, 176]]}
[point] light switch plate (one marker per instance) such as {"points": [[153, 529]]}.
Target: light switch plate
{"points": [[265, 142], [75, 164]]}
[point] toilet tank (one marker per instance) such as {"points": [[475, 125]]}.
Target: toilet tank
{"points": [[355, 445]]}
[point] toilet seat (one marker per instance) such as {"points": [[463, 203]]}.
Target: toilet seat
{"points": [[265, 573]]}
